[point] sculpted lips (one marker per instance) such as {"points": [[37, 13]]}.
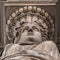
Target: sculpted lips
{"points": [[30, 41]]}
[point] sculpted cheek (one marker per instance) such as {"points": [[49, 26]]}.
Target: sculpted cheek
{"points": [[38, 36], [24, 33]]}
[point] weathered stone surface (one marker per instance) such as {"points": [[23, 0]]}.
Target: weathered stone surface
{"points": [[30, 36], [46, 50]]}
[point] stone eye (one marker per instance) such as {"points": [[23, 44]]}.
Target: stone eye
{"points": [[22, 23], [25, 28], [35, 28]]}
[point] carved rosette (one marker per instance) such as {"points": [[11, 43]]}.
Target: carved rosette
{"points": [[20, 16]]}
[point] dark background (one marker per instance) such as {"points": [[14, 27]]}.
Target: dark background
{"points": [[57, 22]]}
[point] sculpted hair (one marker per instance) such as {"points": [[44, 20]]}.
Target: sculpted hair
{"points": [[15, 22]]}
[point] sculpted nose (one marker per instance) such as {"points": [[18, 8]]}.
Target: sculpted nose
{"points": [[30, 30]]}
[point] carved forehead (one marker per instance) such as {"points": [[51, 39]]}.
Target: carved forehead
{"points": [[29, 19]]}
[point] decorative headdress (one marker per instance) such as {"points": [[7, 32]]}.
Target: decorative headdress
{"points": [[43, 20]]}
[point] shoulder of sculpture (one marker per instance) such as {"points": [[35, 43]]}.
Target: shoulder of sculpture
{"points": [[49, 43], [10, 45], [48, 47], [10, 49], [46, 44]]}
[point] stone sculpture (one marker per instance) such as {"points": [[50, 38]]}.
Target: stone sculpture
{"points": [[30, 29]]}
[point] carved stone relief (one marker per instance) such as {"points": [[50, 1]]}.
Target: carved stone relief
{"points": [[29, 14], [30, 28]]}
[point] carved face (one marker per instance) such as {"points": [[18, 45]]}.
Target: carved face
{"points": [[30, 33], [29, 24]]}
